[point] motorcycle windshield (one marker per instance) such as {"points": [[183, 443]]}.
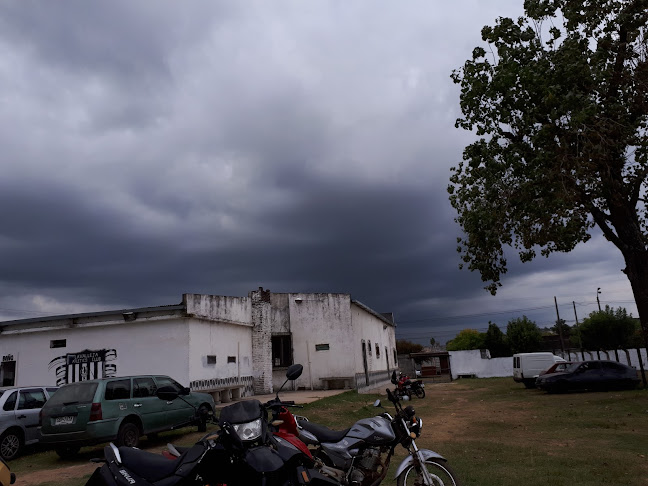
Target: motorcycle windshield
{"points": [[241, 412]]}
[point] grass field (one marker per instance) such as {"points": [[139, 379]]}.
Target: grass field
{"points": [[492, 431]]}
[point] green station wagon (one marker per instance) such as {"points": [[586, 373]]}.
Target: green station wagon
{"points": [[118, 409]]}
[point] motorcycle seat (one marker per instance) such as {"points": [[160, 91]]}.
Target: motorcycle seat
{"points": [[147, 465], [323, 434]]}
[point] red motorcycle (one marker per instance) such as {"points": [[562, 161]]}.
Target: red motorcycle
{"points": [[406, 387]]}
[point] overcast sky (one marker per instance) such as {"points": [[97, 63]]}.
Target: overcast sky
{"points": [[152, 148]]}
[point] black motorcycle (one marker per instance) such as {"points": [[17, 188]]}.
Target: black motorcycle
{"points": [[243, 452], [360, 455]]}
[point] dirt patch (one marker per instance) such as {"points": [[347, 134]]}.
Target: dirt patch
{"points": [[59, 475]]}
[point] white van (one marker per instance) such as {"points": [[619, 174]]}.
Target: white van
{"points": [[527, 366]]}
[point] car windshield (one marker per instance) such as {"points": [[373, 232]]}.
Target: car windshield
{"points": [[74, 393], [573, 367]]}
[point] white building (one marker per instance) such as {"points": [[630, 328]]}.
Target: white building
{"points": [[228, 346]]}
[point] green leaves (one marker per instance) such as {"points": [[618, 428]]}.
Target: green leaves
{"points": [[561, 124]]}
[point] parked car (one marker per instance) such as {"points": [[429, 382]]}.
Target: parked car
{"points": [[528, 366], [590, 375], [120, 410], [557, 367], [19, 409]]}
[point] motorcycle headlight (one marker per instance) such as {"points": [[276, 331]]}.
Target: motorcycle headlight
{"points": [[248, 430]]}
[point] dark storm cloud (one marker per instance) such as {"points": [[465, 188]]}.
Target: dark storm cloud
{"points": [[157, 148]]}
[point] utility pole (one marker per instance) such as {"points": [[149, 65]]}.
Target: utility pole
{"points": [[598, 291], [580, 341], [559, 324]]}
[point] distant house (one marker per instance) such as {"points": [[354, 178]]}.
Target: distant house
{"points": [[228, 346]]}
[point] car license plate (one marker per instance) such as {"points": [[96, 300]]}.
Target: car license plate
{"points": [[66, 420]]}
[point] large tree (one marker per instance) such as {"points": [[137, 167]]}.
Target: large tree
{"points": [[608, 329], [495, 341], [559, 101], [466, 339], [523, 335]]}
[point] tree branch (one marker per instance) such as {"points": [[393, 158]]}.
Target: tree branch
{"points": [[601, 219]]}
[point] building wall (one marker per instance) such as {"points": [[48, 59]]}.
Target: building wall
{"points": [[471, 362], [260, 302], [322, 319], [219, 308], [230, 345], [129, 348], [377, 335]]}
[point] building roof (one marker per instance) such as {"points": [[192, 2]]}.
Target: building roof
{"points": [[375, 314], [73, 319]]}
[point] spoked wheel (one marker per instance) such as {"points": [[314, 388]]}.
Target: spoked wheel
{"points": [[10, 445], [440, 473], [420, 392]]}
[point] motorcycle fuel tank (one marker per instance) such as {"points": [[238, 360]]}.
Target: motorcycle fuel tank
{"points": [[374, 430]]}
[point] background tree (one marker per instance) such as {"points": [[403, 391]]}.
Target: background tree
{"points": [[495, 341], [560, 103], [608, 329], [432, 341], [406, 347], [466, 339], [523, 335], [561, 326]]}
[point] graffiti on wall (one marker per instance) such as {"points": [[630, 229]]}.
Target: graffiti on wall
{"points": [[84, 365]]}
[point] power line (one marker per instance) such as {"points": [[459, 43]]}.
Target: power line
{"points": [[510, 311]]}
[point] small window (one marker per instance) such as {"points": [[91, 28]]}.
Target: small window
{"points": [[322, 347], [369, 347], [211, 359], [118, 390], [377, 352], [58, 343], [144, 387], [10, 404], [395, 358], [31, 399], [231, 359]]}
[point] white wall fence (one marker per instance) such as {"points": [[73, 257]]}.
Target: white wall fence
{"points": [[477, 363]]}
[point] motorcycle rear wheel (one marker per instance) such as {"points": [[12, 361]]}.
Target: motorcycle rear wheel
{"points": [[441, 473], [420, 392]]}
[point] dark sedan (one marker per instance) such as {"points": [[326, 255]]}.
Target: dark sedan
{"points": [[590, 375]]}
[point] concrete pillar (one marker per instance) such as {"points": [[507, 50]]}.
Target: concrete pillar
{"points": [[261, 341]]}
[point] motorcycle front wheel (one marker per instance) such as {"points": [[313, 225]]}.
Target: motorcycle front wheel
{"points": [[420, 392], [440, 472]]}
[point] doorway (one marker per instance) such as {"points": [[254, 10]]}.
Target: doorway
{"points": [[364, 362]]}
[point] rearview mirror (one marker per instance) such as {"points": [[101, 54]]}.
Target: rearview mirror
{"points": [[294, 371], [167, 393], [377, 403]]}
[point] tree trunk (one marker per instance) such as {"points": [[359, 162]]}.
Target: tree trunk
{"points": [[637, 272]]}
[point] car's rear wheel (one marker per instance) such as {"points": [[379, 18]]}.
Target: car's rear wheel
{"points": [[128, 435], [67, 452], [11, 443]]}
